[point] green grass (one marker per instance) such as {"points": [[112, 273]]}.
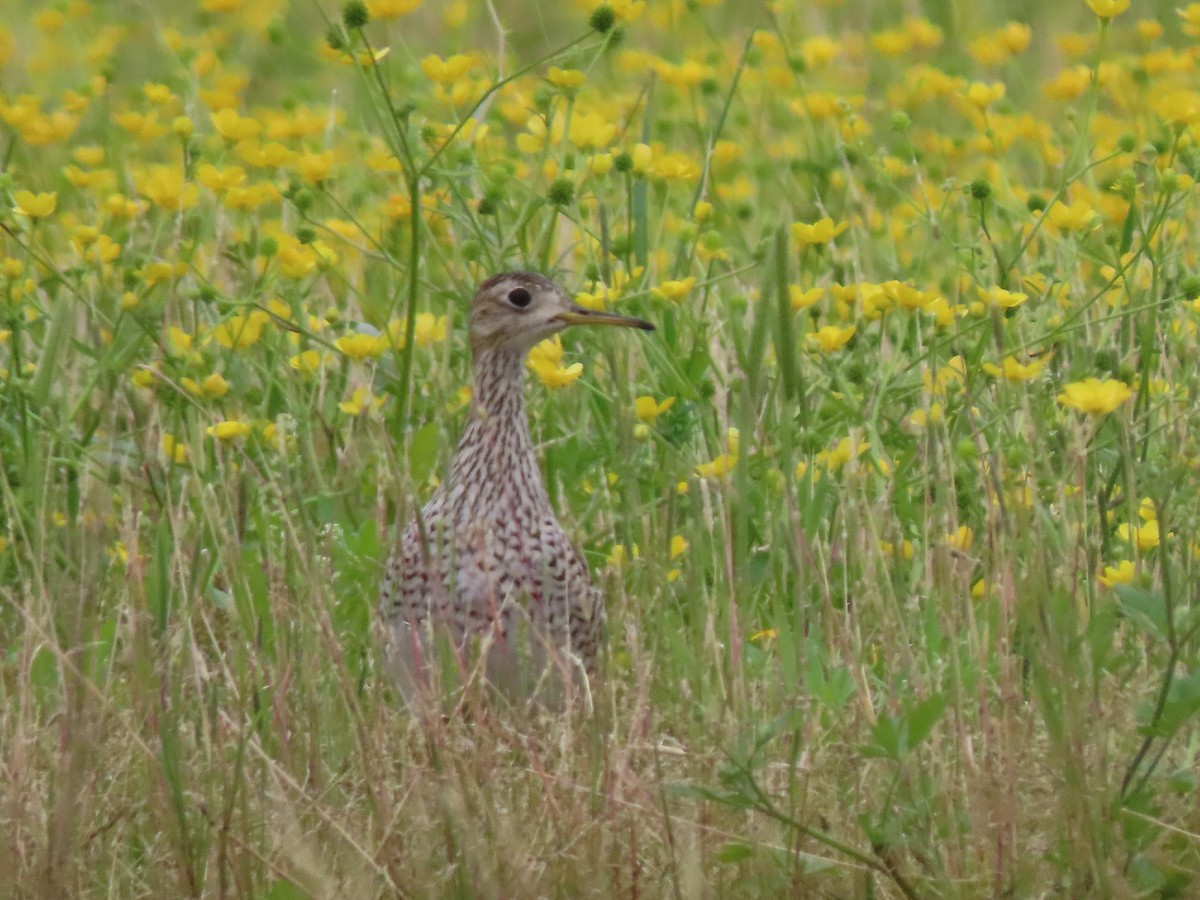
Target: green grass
{"points": [[880, 643]]}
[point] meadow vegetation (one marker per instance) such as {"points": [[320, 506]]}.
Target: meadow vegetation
{"points": [[896, 513]]}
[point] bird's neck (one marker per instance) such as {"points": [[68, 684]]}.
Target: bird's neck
{"points": [[498, 397], [496, 447]]}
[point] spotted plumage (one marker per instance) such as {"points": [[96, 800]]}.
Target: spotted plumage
{"points": [[486, 563]]}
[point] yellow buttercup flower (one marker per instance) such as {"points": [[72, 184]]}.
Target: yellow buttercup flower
{"points": [[391, 9], [591, 131], [961, 538], [228, 430], [234, 127], [1144, 537], [820, 232], [674, 290], [718, 468], [174, 449], [1107, 9], [830, 337], [446, 71], [981, 95], [648, 409], [1190, 15], [429, 329], [569, 79], [35, 206], [1077, 216], [307, 362], [1000, 298], [1095, 397], [1122, 573], [546, 361], [842, 452], [359, 346], [361, 402], [1011, 370], [242, 330], [802, 299]]}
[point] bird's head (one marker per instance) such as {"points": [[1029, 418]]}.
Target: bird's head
{"points": [[516, 310]]}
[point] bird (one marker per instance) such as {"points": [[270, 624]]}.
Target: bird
{"points": [[485, 567]]}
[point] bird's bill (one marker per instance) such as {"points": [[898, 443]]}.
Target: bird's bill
{"points": [[581, 316]]}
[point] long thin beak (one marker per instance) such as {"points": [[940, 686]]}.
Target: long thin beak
{"points": [[580, 316]]}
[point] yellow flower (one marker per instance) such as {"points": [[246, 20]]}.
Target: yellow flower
{"points": [[429, 329], [1181, 107], [1000, 298], [546, 361], [591, 131], [34, 205], [1146, 510], [361, 402], [906, 550], [829, 338], [618, 555], [1095, 397], [679, 546], [1122, 573], [569, 79], [165, 187], [307, 362], [228, 430], [179, 341], [220, 179], [234, 127], [802, 299], [961, 538], [766, 634], [1107, 9], [1191, 19], [718, 468], [446, 71], [674, 290], [1077, 216], [820, 232], [391, 9], [1145, 537], [173, 449], [983, 95], [1015, 371], [314, 167], [215, 385], [242, 330], [627, 10], [359, 346], [841, 453], [648, 409]]}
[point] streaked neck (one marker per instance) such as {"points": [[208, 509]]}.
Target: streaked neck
{"points": [[496, 451]]}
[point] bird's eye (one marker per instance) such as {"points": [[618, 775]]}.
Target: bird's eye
{"points": [[519, 297]]}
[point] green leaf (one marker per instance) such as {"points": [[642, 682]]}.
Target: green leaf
{"points": [[1144, 608], [1183, 702], [887, 739], [734, 852], [422, 452], [282, 889], [920, 720], [894, 737]]}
